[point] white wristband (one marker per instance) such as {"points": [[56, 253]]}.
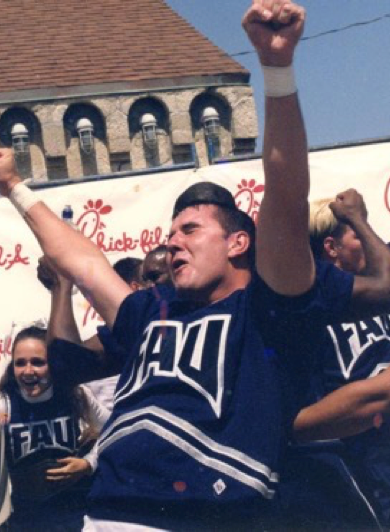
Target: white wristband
{"points": [[279, 81], [22, 198]]}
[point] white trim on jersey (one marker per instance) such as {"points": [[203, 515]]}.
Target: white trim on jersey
{"points": [[195, 443], [103, 525]]}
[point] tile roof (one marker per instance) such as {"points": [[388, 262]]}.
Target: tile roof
{"points": [[54, 43]]}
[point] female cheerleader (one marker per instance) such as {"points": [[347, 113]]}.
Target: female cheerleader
{"points": [[49, 433]]}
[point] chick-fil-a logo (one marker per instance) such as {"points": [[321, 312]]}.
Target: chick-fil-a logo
{"points": [[246, 197], [92, 226], [10, 259], [6, 346], [6, 342], [90, 315]]}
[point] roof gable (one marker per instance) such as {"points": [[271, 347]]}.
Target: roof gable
{"points": [[51, 43]]}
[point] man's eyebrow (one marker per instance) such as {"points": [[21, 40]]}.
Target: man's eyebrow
{"points": [[185, 227], [190, 225]]}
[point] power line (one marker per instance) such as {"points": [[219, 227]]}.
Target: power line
{"points": [[328, 32]]}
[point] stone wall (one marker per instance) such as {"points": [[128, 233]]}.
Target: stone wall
{"points": [[55, 149]]}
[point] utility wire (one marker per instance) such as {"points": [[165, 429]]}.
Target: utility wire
{"points": [[328, 32]]}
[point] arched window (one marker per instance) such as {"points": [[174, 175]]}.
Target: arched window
{"points": [[211, 123], [149, 129]]}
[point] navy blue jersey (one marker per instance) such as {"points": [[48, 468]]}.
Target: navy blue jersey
{"points": [[110, 345], [206, 398], [354, 351], [36, 435], [351, 352], [39, 430]]}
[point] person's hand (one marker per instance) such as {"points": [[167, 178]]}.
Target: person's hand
{"points": [[50, 277], [70, 470], [349, 207], [274, 27], [9, 176], [46, 275]]}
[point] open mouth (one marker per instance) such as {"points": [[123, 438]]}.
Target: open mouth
{"points": [[30, 384], [177, 265]]}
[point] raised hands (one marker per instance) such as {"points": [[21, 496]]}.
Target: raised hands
{"points": [[349, 207], [274, 27], [8, 172], [50, 277]]}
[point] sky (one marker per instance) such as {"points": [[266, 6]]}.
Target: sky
{"points": [[343, 78]]}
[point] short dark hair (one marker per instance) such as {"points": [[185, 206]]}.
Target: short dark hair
{"points": [[204, 193], [129, 269]]}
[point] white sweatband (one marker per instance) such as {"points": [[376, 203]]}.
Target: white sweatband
{"points": [[22, 198], [279, 81]]}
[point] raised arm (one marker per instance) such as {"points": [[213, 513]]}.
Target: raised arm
{"points": [[352, 409], [63, 326], [371, 291], [71, 253], [283, 253], [62, 323]]}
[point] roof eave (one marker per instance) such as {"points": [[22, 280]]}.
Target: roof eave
{"points": [[123, 87]]}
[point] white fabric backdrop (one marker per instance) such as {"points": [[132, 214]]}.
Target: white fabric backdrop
{"points": [[130, 216]]}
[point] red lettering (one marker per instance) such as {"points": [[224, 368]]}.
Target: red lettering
{"points": [[10, 259], [151, 239], [5, 346], [128, 243], [2, 263], [90, 315], [125, 243]]}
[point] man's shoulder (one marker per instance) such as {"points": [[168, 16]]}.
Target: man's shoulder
{"points": [[334, 283], [330, 292], [151, 296]]}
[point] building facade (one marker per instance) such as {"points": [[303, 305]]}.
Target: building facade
{"points": [[111, 86]]}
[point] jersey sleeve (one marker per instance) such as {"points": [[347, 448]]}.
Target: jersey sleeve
{"points": [[325, 303], [294, 328], [4, 409], [92, 457], [98, 413], [72, 364], [136, 311]]}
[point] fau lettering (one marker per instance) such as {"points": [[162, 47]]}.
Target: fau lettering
{"points": [[351, 341], [26, 438], [194, 354]]}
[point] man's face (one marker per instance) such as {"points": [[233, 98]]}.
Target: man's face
{"points": [[350, 254], [197, 255], [155, 269]]}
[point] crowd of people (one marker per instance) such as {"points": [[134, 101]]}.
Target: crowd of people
{"points": [[240, 379]]}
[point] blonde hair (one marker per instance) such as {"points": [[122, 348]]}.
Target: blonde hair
{"points": [[322, 223]]}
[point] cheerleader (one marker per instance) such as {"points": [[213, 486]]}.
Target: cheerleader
{"points": [[49, 434]]}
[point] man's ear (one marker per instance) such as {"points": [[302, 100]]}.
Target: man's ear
{"points": [[330, 249], [239, 243], [135, 286]]}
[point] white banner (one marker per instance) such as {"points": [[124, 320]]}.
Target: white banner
{"points": [[128, 216]]}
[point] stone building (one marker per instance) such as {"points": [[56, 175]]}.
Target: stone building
{"points": [[92, 88]]}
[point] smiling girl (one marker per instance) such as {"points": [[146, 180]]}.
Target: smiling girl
{"points": [[47, 428]]}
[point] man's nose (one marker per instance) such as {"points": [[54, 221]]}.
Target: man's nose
{"points": [[175, 242]]}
